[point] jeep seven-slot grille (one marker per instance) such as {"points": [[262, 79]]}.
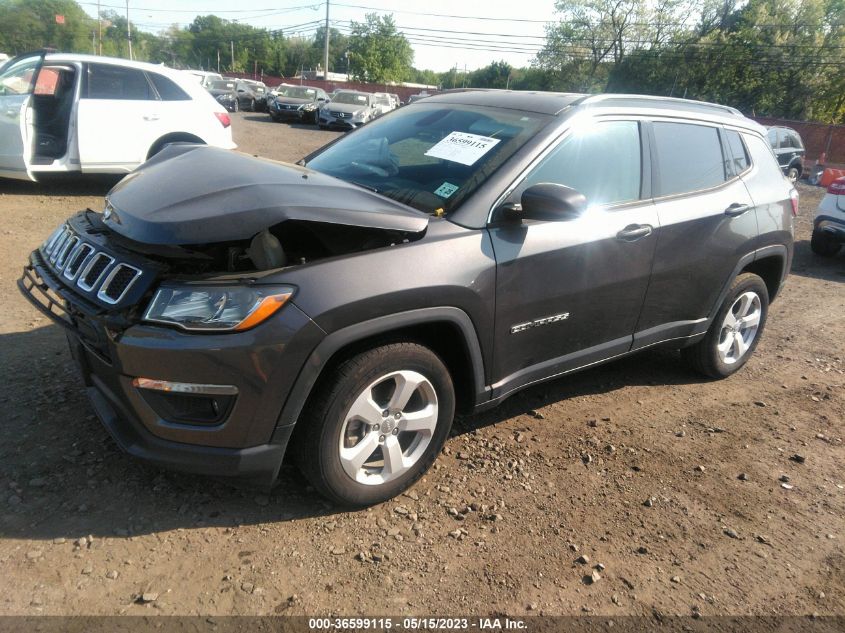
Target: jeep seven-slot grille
{"points": [[90, 269]]}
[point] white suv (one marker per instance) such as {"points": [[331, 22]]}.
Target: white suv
{"points": [[72, 113]]}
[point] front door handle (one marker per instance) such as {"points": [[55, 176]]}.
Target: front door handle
{"points": [[737, 209], [151, 117], [634, 232]]}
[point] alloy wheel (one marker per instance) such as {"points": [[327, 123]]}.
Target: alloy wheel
{"points": [[739, 328], [388, 427]]}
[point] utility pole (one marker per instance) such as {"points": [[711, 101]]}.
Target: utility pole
{"points": [[232, 45], [99, 30], [128, 30], [218, 60], [326, 51]]}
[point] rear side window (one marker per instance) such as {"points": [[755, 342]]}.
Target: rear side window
{"points": [[167, 89], [114, 82], [791, 139], [689, 158], [772, 135], [603, 162], [738, 160]]}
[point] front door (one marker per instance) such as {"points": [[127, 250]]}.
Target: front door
{"points": [[17, 81], [569, 293]]}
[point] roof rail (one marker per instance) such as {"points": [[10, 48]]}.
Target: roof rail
{"points": [[705, 105]]}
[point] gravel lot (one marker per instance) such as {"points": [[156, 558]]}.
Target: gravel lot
{"points": [[670, 482]]}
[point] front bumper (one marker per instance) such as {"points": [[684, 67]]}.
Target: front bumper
{"points": [[338, 124], [261, 363], [831, 226]]}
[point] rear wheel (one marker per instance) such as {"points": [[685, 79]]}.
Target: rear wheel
{"points": [[793, 174], [735, 331], [824, 244], [376, 424]]}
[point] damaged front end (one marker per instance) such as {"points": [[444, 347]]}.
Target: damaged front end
{"points": [[216, 221], [192, 247]]}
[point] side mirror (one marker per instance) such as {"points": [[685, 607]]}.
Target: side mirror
{"points": [[546, 201], [241, 90], [320, 99]]}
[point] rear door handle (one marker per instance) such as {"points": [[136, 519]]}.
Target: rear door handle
{"points": [[151, 117], [634, 232], [737, 209]]}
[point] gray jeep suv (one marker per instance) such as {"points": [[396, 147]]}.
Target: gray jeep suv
{"points": [[226, 311]]}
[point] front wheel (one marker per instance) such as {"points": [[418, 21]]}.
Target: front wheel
{"points": [[735, 330], [793, 174], [823, 244], [376, 424]]}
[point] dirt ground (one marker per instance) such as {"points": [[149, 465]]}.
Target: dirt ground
{"points": [[635, 465]]}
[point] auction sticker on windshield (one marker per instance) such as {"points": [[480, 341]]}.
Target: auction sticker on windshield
{"points": [[462, 147]]}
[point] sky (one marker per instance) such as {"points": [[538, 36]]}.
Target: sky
{"points": [[466, 34]]}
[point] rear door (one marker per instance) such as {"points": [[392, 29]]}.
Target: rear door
{"points": [[568, 293], [119, 118], [17, 82], [707, 223]]}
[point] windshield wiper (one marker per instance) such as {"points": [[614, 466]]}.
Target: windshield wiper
{"points": [[362, 185]]}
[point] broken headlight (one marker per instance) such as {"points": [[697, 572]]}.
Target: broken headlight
{"points": [[216, 308]]}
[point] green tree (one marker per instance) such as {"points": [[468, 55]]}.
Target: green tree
{"points": [[378, 53], [27, 25]]}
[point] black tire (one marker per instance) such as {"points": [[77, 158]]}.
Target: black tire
{"points": [[236, 106], [824, 245], [252, 106], [318, 438], [704, 356]]}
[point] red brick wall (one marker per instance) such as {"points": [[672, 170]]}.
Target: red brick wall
{"points": [[817, 137]]}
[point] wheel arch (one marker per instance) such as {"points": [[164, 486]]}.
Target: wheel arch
{"points": [[770, 268], [173, 137], [448, 331]]}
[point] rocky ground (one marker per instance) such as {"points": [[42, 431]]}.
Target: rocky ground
{"points": [[630, 489]]}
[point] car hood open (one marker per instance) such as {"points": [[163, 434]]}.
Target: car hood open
{"points": [[195, 194]]}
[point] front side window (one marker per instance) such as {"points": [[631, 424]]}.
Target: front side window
{"points": [[689, 158], [430, 156], [115, 82], [17, 78], [601, 160], [772, 135]]}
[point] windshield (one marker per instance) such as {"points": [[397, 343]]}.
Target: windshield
{"points": [[350, 97], [429, 156], [222, 85], [295, 92]]}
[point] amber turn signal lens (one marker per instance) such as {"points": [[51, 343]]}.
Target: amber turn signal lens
{"points": [[268, 307]]}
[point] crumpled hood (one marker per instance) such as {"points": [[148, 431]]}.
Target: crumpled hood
{"points": [[195, 194]]}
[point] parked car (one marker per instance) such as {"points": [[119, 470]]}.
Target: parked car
{"points": [[789, 149], [71, 113], [204, 78], [226, 311], [250, 95], [226, 94], [348, 109], [384, 103], [829, 223], [300, 103]]}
